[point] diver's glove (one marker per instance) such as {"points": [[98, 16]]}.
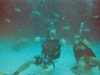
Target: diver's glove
{"points": [[15, 73], [37, 39]]}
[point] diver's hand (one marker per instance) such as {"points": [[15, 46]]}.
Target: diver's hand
{"points": [[87, 43], [37, 39], [81, 63]]}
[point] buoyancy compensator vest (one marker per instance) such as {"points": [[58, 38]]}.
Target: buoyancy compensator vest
{"points": [[51, 48]]}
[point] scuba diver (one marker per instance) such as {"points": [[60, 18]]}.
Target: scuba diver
{"points": [[85, 57], [50, 51]]}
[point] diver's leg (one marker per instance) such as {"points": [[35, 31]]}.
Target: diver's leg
{"points": [[94, 61], [25, 66], [47, 71]]}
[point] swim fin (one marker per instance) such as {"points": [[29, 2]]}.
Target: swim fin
{"points": [[77, 70]]}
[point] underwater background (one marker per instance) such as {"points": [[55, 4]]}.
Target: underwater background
{"points": [[23, 20]]}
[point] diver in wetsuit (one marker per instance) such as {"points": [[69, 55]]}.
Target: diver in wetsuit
{"points": [[50, 51], [85, 57]]}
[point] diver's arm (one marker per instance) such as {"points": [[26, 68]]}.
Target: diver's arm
{"points": [[40, 39], [87, 43]]}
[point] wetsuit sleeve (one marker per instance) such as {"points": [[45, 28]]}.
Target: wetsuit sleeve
{"points": [[60, 41], [42, 39], [91, 53]]}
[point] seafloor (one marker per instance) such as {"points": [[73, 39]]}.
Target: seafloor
{"points": [[10, 60]]}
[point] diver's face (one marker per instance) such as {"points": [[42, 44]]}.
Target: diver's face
{"points": [[77, 38], [52, 36]]}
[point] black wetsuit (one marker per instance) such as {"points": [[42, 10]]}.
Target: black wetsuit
{"points": [[50, 51], [51, 48], [79, 53]]}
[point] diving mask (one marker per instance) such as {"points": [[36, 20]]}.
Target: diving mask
{"points": [[78, 38], [52, 34]]}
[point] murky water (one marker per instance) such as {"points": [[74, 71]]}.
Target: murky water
{"points": [[23, 20]]}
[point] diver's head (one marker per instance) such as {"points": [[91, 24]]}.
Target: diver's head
{"points": [[78, 39], [52, 35]]}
